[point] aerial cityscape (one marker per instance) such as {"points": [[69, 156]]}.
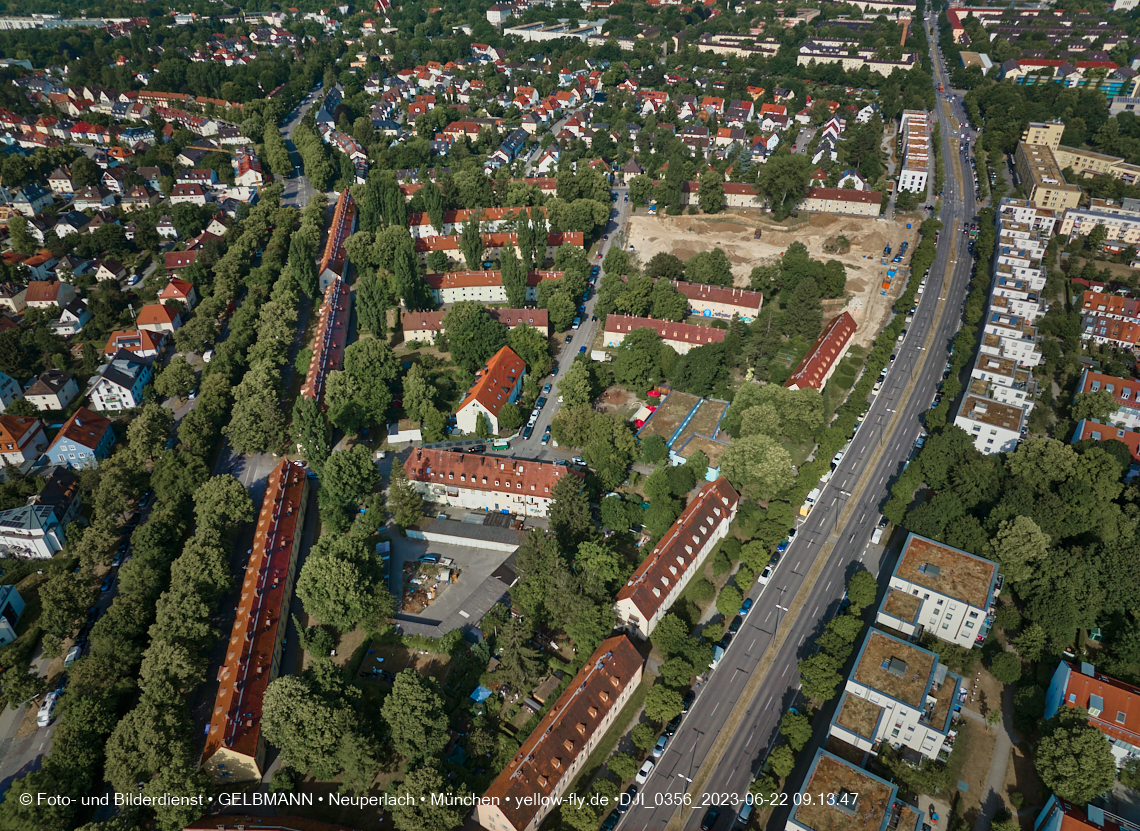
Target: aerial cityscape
{"points": [[525, 415]]}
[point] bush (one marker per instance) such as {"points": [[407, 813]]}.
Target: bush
{"points": [[643, 737], [1006, 668], [713, 631], [721, 564], [1130, 773], [744, 578], [692, 210], [623, 766], [702, 589]]}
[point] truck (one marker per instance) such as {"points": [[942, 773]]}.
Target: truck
{"points": [[809, 502], [718, 653], [501, 444]]}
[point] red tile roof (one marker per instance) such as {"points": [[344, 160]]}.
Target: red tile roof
{"points": [[155, 313], [471, 279], [43, 291], [485, 473], [495, 381], [451, 242], [649, 585], [489, 215], [339, 230], [330, 340], [176, 289], [133, 340], [1120, 331], [676, 332], [1111, 305], [251, 662], [1087, 428], [433, 321], [1090, 379], [842, 195], [1119, 716], [13, 428], [85, 428], [566, 731], [823, 353], [724, 295], [175, 260]]}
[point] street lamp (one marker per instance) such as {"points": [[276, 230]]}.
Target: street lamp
{"points": [[779, 609]]}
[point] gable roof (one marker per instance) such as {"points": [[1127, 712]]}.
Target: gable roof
{"points": [[84, 428], [495, 381], [824, 352], [682, 332], [43, 291], [651, 583], [13, 428], [155, 314], [49, 383]]}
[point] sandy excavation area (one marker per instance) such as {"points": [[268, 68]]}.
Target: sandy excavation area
{"points": [[734, 232]]}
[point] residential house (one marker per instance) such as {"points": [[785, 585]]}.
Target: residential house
{"points": [[52, 390], [157, 317], [139, 197], [681, 336], [93, 198], [486, 483], [120, 383], [84, 440], [177, 260], [942, 590], [41, 265], [897, 693], [192, 194], [179, 290], [10, 391], [496, 384], [29, 200], [74, 316], [1113, 706], [46, 294], [819, 363], [424, 326], [837, 201], [59, 181], [110, 269], [165, 228], [72, 222], [140, 342], [13, 297], [551, 758], [664, 573], [22, 439]]}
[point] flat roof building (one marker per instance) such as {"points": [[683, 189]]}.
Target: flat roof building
{"points": [[862, 800]]}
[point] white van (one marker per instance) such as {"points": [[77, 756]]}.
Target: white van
{"points": [[47, 709]]}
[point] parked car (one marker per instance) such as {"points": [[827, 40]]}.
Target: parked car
{"points": [[581, 350], [540, 403], [73, 655], [643, 774], [569, 338], [734, 627], [687, 701], [611, 821], [766, 574], [782, 547], [672, 726], [627, 798], [108, 582], [659, 748], [546, 389], [46, 714], [527, 431], [746, 607]]}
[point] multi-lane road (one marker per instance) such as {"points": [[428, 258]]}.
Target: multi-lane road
{"points": [[298, 191], [724, 739]]}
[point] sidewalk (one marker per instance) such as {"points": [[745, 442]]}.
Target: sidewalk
{"points": [[995, 780]]}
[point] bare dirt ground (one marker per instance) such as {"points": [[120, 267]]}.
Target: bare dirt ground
{"points": [[733, 232]]}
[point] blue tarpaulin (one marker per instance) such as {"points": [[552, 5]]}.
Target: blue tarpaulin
{"points": [[481, 694]]}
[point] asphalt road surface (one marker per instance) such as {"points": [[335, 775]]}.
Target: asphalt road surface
{"points": [[839, 529], [583, 336], [298, 191]]}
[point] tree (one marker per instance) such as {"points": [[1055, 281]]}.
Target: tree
{"points": [[517, 658], [23, 243], [474, 336], [569, 513], [532, 346], [1073, 758], [222, 502], [348, 476], [862, 588], [148, 433], [415, 715], [483, 428], [803, 316], [1019, 546], [671, 635], [417, 805], [372, 304], [1006, 668], [511, 418], [1099, 406], [796, 730], [662, 704], [643, 736], [419, 393], [342, 585], [710, 192], [404, 502], [759, 465], [728, 601], [616, 261], [311, 433], [709, 267], [471, 241], [256, 423], [664, 266], [782, 760], [514, 277], [176, 380], [1032, 642], [308, 717], [64, 599], [623, 766], [303, 264], [784, 180], [819, 676]]}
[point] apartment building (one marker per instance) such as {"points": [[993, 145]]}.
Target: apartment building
{"points": [[1020, 211], [334, 259], [915, 140], [1003, 380], [485, 483], [491, 220], [942, 590], [1120, 222], [22, 439], [721, 301], [861, 800], [820, 362], [1089, 429], [821, 51], [681, 553], [994, 427], [493, 244], [1041, 176], [235, 746], [496, 384], [424, 326], [540, 773], [483, 286], [1084, 162], [1125, 390], [1111, 306], [1120, 333], [681, 336], [897, 693], [840, 201], [1014, 297], [1113, 706], [1058, 815], [329, 341], [1009, 336]]}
